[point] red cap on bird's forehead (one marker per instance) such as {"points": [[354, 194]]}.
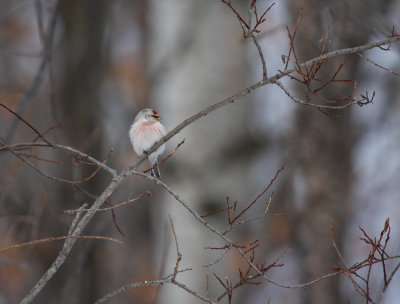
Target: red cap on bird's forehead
{"points": [[155, 112]]}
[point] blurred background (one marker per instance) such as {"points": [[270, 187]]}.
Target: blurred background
{"points": [[85, 68]]}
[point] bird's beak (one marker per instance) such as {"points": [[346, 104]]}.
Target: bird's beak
{"points": [[156, 117]]}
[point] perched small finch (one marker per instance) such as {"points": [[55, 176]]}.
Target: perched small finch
{"points": [[145, 131]]}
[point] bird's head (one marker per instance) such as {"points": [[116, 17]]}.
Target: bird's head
{"points": [[148, 115]]}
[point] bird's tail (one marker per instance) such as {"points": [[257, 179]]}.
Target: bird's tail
{"points": [[155, 172]]}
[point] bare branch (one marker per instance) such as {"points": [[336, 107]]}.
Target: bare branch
{"points": [[305, 103], [167, 280], [68, 149], [183, 286], [75, 220], [62, 180], [258, 85], [70, 241], [229, 242], [117, 179], [133, 285]]}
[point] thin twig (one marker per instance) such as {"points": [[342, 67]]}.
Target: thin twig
{"points": [[261, 194], [51, 161], [166, 158], [178, 253], [52, 128], [114, 218], [68, 149], [319, 107], [357, 287], [219, 258], [388, 282], [238, 223], [58, 179], [87, 193], [25, 122], [109, 208], [377, 65], [59, 238], [249, 278]]}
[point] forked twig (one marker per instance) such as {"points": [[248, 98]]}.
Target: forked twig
{"points": [[261, 194]]}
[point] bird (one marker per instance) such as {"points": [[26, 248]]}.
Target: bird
{"points": [[145, 131]]}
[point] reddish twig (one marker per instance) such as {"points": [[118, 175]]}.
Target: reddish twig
{"points": [[260, 195], [307, 75], [377, 255], [349, 273], [110, 208], [169, 156], [291, 37], [215, 212], [245, 278], [52, 128], [114, 218], [249, 30], [58, 238], [26, 123], [389, 45], [40, 159], [238, 223]]}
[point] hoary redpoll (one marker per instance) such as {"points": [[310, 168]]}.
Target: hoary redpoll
{"points": [[145, 131]]}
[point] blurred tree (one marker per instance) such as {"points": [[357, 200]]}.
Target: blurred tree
{"points": [[202, 59], [84, 59], [320, 145], [81, 63]]}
